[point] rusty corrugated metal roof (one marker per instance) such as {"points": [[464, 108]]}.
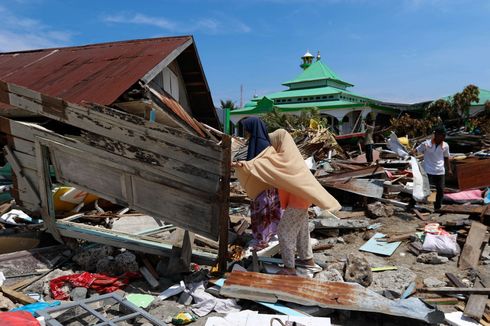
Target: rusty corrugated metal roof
{"points": [[98, 73], [336, 295]]}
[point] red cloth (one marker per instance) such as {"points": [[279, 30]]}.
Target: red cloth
{"points": [[18, 318], [98, 282]]}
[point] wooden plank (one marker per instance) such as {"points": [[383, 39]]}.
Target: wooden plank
{"points": [[207, 170], [182, 176], [447, 290], [165, 62], [419, 215], [23, 146], [20, 131], [470, 255], [224, 198], [26, 161], [15, 296], [465, 209], [475, 307], [124, 240], [22, 179], [108, 178], [455, 280], [47, 203], [110, 123]]}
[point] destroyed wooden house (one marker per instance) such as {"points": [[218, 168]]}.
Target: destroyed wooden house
{"points": [[130, 122]]}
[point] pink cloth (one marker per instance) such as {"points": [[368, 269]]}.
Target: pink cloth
{"points": [[466, 195]]}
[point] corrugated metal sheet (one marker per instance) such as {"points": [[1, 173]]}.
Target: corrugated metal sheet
{"points": [[98, 73], [336, 295]]}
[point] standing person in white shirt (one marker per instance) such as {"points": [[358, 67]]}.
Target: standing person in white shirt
{"points": [[436, 162]]}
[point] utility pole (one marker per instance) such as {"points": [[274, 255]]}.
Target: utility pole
{"points": [[241, 96]]}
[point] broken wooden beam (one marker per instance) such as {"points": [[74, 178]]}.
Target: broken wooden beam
{"points": [[335, 295], [465, 209], [475, 307], [470, 255], [124, 240], [16, 296], [448, 290]]}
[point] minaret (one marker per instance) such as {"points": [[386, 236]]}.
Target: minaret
{"points": [[318, 56], [307, 60]]}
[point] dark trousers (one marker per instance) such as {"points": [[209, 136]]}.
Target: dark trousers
{"points": [[369, 152], [437, 181]]}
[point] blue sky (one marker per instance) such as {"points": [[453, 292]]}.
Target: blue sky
{"points": [[393, 50]]}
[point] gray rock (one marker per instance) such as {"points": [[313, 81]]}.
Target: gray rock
{"points": [[358, 270], [394, 281], [378, 209], [338, 265], [432, 282], [126, 262], [78, 294], [122, 263], [88, 258], [331, 275], [431, 258], [340, 240], [107, 266]]}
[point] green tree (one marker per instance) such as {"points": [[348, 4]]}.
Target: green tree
{"points": [[276, 120], [457, 107], [227, 104]]}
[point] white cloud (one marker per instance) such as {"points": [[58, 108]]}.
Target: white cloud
{"points": [[224, 25], [23, 33]]}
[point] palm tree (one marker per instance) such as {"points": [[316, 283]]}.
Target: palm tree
{"points": [[228, 104]]}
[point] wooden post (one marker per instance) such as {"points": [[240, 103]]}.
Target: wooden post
{"points": [[224, 195], [47, 204]]}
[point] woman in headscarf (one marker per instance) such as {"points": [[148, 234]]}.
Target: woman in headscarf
{"points": [[265, 208], [283, 167]]}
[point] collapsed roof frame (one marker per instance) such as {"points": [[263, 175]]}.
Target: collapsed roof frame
{"points": [[190, 172]]}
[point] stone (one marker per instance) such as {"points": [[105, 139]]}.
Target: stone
{"points": [[395, 281], [5, 303], [350, 238], [122, 263], [357, 270], [78, 293], [106, 266], [338, 265], [378, 209], [88, 258], [340, 240], [432, 282], [126, 262], [331, 275], [431, 258]]}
